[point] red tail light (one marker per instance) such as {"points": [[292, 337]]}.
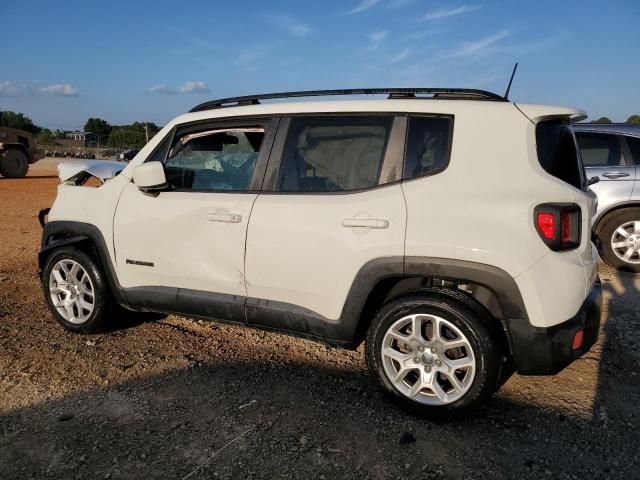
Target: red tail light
{"points": [[558, 224], [566, 227], [547, 225]]}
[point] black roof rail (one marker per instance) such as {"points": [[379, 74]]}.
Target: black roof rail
{"points": [[394, 93]]}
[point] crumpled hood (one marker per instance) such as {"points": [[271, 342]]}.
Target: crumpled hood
{"points": [[103, 170]]}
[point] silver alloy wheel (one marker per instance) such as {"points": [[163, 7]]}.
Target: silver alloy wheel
{"points": [[428, 359], [625, 242], [71, 291]]}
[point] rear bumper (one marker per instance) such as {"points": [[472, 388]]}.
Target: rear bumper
{"points": [[546, 351]]}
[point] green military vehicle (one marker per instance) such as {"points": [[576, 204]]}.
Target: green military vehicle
{"points": [[17, 151]]}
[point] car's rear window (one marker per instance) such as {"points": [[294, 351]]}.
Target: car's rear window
{"points": [[428, 145], [557, 152], [634, 146]]}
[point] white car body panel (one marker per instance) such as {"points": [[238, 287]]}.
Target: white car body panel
{"points": [[479, 209], [299, 251], [181, 235]]}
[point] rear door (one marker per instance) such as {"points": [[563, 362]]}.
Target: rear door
{"points": [[330, 205], [604, 156]]}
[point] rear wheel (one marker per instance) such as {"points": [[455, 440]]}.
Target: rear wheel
{"points": [[433, 354], [14, 164], [619, 240]]}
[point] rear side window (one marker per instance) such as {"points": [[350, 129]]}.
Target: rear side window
{"points": [[599, 149], [334, 153], [557, 152], [634, 146], [428, 145]]}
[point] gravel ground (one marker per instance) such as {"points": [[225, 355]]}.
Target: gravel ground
{"points": [[178, 398]]}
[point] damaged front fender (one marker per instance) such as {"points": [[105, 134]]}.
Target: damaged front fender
{"points": [[78, 172]]}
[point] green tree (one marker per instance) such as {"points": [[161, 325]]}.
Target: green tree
{"points": [[633, 119], [126, 137], [602, 120], [46, 137], [18, 120], [131, 136], [98, 126]]}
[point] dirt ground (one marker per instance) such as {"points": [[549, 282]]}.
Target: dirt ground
{"points": [[178, 398]]}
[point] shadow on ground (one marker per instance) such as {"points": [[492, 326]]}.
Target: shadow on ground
{"points": [[307, 422], [316, 420], [618, 397]]}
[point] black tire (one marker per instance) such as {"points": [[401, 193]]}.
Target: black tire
{"points": [[605, 234], [14, 164], [471, 322], [103, 303]]}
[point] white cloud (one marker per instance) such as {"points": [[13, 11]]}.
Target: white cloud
{"points": [[400, 56], [61, 89], [289, 24], [188, 87], [376, 39], [449, 12], [480, 46], [194, 87], [10, 89], [162, 89], [362, 6], [13, 89], [399, 3]]}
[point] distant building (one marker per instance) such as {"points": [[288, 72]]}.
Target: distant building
{"points": [[82, 136], [79, 139]]}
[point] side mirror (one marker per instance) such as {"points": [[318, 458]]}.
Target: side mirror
{"points": [[150, 178], [592, 181]]}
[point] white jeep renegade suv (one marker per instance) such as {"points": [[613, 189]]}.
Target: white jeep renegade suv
{"points": [[448, 228]]}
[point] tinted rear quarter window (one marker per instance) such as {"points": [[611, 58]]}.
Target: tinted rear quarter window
{"points": [[428, 145], [634, 146], [557, 152], [333, 153]]}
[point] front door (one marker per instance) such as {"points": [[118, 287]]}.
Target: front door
{"points": [[183, 250]]}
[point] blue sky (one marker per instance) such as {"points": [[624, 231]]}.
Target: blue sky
{"points": [[64, 61]]}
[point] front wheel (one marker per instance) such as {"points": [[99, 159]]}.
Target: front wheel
{"points": [[76, 290], [433, 354]]}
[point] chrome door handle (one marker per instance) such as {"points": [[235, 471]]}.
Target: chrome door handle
{"points": [[365, 222], [224, 217], [615, 174]]}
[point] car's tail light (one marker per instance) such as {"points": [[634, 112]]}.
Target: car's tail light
{"points": [[546, 225], [559, 225]]}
